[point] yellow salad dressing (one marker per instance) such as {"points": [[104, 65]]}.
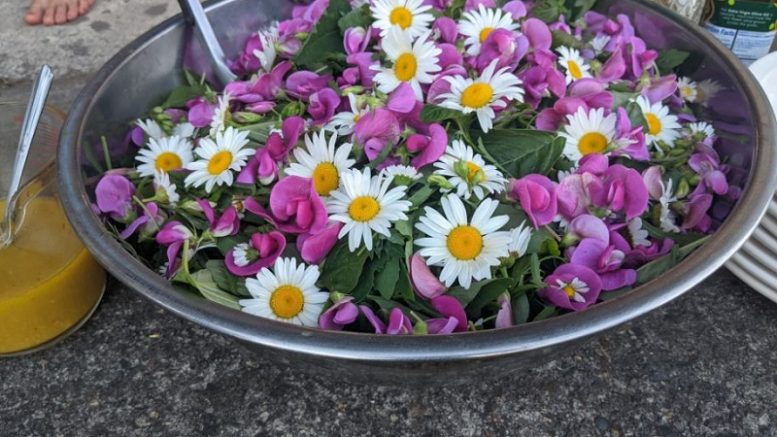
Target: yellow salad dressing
{"points": [[48, 281]]}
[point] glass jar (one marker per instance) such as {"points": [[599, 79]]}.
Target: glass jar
{"points": [[49, 283]]}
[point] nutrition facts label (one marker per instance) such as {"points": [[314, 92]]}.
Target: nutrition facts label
{"points": [[746, 45]]}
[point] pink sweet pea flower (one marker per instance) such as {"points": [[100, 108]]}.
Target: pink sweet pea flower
{"points": [[623, 190], [226, 224], [573, 287], [446, 30], [428, 149], [707, 164], [537, 81], [471, 5], [441, 86], [449, 306], [696, 211], [114, 197], [537, 195], [425, 283], [303, 84], [605, 260], [342, 313], [363, 71], [264, 164], [442, 325], [173, 234], [323, 105], [377, 324], [516, 8], [262, 251], [504, 45], [313, 248], [376, 130], [504, 317], [652, 177], [584, 93], [637, 148], [262, 90], [449, 55], [356, 40], [151, 220], [402, 100], [587, 226], [399, 323], [200, 112], [575, 193], [295, 207]]}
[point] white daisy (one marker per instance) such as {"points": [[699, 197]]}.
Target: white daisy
{"points": [[219, 159], [600, 42], [321, 162], [661, 125], [401, 174], [575, 289], [413, 62], [639, 236], [220, 115], [167, 189], [475, 26], [588, 132], [687, 89], [344, 121], [465, 249], [240, 254], [519, 239], [706, 90], [288, 293], [573, 64], [152, 129], [701, 127], [407, 15], [483, 95], [164, 154], [269, 40], [468, 172], [667, 217], [365, 204]]}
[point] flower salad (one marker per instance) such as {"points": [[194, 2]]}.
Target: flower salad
{"points": [[424, 167]]}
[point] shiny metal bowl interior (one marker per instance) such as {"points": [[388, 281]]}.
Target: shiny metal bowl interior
{"points": [[144, 71]]}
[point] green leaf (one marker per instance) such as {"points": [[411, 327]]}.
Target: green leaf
{"points": [[681, 239], [359, 17], [670, 59], [522, 151], [420, 196], [364, 285], [386, 279], [536, 274], [521, 309], [546, 313], [404, 289], [548, 10], [466, 295], [487, 294], [342, 268], [436, 114], [325, 38], [561, 38], [225, 280], [182, 94], [659, 266], [577, 8], [203, 281]]}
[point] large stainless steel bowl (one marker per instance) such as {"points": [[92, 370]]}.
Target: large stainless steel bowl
{"points": [[139, 75]]}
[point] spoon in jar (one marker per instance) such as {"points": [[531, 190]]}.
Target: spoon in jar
{"points": [[192, 10], [40, 92]]}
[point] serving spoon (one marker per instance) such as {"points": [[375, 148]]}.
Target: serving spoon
{"points": [[193, 11], [37, 102]]}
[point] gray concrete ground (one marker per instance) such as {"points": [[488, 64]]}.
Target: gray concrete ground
{"points": [[702, 365]]}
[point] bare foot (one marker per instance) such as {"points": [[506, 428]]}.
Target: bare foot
{"points": [[51, 12]]}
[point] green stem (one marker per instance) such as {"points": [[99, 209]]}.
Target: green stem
{"points": [[106, 155]]}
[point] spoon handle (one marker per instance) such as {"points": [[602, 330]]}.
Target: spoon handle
{"points": [[32, 115], [193, 10]]}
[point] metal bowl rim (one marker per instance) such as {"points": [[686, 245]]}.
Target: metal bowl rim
{"points": [[449, 348]]}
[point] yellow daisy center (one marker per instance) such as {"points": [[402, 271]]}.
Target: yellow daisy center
{"points": [[686, 91], [325, 178], [592, 142], [167, 161], [363, 209], [287, 301], [654, 123], [569, 290], [401, 16], [484, 34], [357, 117], [405, 67], [574, 69], [472, 171], [477, 95], [219, 162], [465, 242]]}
